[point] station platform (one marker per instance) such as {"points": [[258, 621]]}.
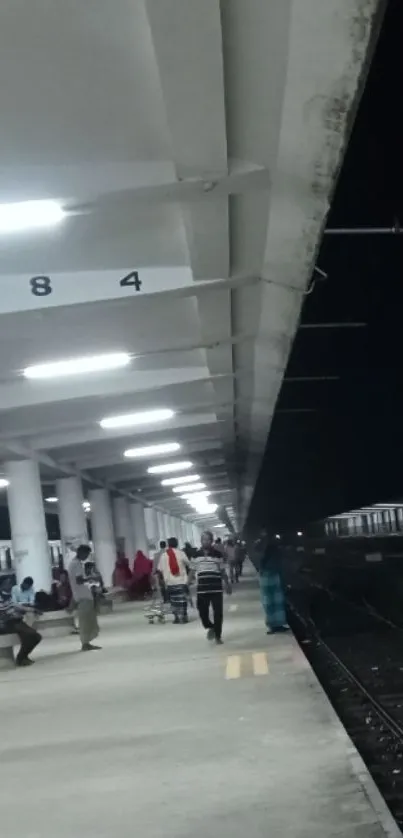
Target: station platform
{"points": [[163, 735]]}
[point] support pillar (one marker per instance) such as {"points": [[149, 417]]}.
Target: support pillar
{"points": [[151, 527], [72, 518], [162, 533], [171, 526], [123, 527], [28, 525], [102, 533], [139, 527], [169, 532], [176, 529], [183, 532]]}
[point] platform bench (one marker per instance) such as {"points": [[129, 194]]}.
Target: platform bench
{"points": [[55, 624], [49, 624], [7, 643]]}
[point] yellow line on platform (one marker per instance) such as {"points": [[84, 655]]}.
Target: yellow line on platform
{"points": [[233, 669], [260, 663]]}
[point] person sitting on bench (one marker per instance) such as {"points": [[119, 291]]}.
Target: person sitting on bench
{"points": [[12, 622]]}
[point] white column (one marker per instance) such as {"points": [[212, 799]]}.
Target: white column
{"points": [[168, 526], [123, 526], [176, 530], [151, 527], [139, 527], [196, 536], [183, 532], [72, 519], [102, 533], [162, 535], [171, 527], [28, 525]]}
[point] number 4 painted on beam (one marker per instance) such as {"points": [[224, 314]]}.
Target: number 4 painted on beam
{"points": [[131, 279]]}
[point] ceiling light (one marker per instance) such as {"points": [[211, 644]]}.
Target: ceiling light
{"points": [[203, 494], [29, 215], [153, 450], [4, 483], [87, 505], [278, 536], [299, 534], [78, 366], [205, 507], [176, 481], [219, 526], [166, 468], [130, 420], [51, 500], [189, 487]]}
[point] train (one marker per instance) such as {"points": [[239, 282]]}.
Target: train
{"points": [[7, 560]]}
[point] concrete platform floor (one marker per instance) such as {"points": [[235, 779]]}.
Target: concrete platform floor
{"points": [[161, 734]]}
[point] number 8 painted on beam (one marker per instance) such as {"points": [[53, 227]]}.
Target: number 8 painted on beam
{"points": [[41, 286]]}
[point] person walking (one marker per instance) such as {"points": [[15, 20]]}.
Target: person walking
{"points": [[271, 586], [240, 554], [12, 622], [157, 573], [230, 555], [173, 566], [211, 577], [83, 598], [158, 554]]}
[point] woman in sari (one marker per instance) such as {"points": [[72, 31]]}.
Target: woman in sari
{"points": [[142, 571], [122, 576], [271, 586]]}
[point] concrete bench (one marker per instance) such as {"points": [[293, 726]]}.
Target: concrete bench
{"points": [[49, 624], [55, 624], [7, 643], [118, 595]]}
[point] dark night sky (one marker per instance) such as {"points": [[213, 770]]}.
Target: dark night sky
{"points": [[348, 450]]}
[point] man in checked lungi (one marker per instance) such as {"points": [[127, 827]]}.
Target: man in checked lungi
{"points": [[271, 586], [173, 565]]}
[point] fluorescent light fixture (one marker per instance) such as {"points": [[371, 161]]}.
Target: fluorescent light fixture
{"points": [[78, 366], [29, 215], [219, 526], [203, 508], [167, 468], [51, 500], [190, 487], [190, 496], [153, 450], [4, 483], [177, 481], [130, 420]]}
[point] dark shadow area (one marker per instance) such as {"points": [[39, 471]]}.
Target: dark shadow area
{"points": [[336, 440]]}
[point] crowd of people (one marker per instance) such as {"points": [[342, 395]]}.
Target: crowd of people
{"points": [[165, 582]]}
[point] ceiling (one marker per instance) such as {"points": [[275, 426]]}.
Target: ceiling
{"points": [[197, 143]]}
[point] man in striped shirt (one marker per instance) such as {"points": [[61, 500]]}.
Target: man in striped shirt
{"points": [[209, 568]]}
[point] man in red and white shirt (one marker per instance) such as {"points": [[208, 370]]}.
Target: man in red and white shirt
{"points": [[173, 564]]}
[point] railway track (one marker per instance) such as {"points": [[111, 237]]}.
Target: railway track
{"points": [[358, 657]]}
